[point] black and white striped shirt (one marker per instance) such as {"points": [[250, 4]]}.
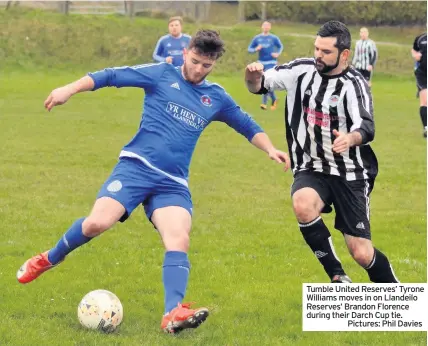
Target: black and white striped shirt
{"points": [[316, 105], [365, 54]]}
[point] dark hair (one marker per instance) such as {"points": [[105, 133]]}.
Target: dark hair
{"points": [[207, 43], [337, 29]]}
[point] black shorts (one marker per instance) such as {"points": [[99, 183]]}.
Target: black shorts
{"points": [[421, 79], [350, 200], [366, 74]]}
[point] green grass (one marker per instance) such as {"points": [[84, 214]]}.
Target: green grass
{"points": [[248, 257]]}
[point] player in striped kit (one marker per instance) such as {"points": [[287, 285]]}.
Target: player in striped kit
{"points": [[419, 53], [365, 55], [329, 125], [269, 48]]}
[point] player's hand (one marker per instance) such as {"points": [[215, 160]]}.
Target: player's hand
{"points": [[169, 59], [259, 47], [369, 68], [417, 56], [342, 142], [58, 97], [275, 55], [280, 157], [255, 67]]}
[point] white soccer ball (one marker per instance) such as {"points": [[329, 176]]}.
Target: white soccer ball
{"points": [[100, 309]]}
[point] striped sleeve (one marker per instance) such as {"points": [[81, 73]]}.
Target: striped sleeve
{"points": [[355, 59], [373, 53], [283, 77], [360, 107]]}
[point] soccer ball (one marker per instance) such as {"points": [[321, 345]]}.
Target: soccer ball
{"points": [[100, 309]]}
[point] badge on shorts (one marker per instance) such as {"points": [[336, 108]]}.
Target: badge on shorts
{"points": [[114, 186]]}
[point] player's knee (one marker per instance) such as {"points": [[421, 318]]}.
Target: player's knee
{"points": [[177, 240], [361, 254], [92, 227], [304, 209]]}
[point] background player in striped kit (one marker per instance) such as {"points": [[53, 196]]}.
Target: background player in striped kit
{"points": [[170, 47], [419, 53], [329, 124], [269, 47], [365, 55]]}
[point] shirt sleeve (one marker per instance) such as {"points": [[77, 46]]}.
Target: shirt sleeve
{"points": [[355, 59], [252, 46], [283, 77], [158, 53], [141, 76], [359, 105], [416, 44], [278, 45], [187, 39], [373, 55], [236, 118]]}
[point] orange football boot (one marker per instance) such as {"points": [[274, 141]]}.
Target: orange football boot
{"points": [[33, 268], [263, 106], [274, 105], [182, 317]]}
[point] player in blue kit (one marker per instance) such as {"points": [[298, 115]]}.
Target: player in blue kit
{"points": [[269, 48], [170, 47], [153, 167]]}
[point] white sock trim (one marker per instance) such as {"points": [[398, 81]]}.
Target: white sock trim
{"points": [[310, 223]]}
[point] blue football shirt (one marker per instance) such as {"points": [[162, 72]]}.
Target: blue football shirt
{"points": [[171, 46], [175, 114], [270, 44]]}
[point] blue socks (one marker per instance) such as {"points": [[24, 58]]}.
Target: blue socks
{"points": [[264, 99], [71, 240], [270, 94], [175, 275]]}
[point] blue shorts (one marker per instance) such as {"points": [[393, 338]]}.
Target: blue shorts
{"points": [[268, 66], [132, 183]]}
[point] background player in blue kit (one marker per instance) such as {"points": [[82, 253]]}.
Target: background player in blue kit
{"points": [[170, 47], [153, 167], [269, 47]]}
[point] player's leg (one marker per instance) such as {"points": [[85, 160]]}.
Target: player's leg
{"points": [[274, 100], [264, 102], [170, 211], [352, 203], [173, 224], [116, 201], [311, 197], [421, 82], [423, 108], [369, 78], [371, 259], [105, 213]]}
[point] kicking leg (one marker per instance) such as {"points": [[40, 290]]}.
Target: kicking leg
{"points": [[105, 213]]}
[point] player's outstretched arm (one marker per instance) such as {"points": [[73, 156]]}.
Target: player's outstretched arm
{"points": [[61, 95], [262, 141]]}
